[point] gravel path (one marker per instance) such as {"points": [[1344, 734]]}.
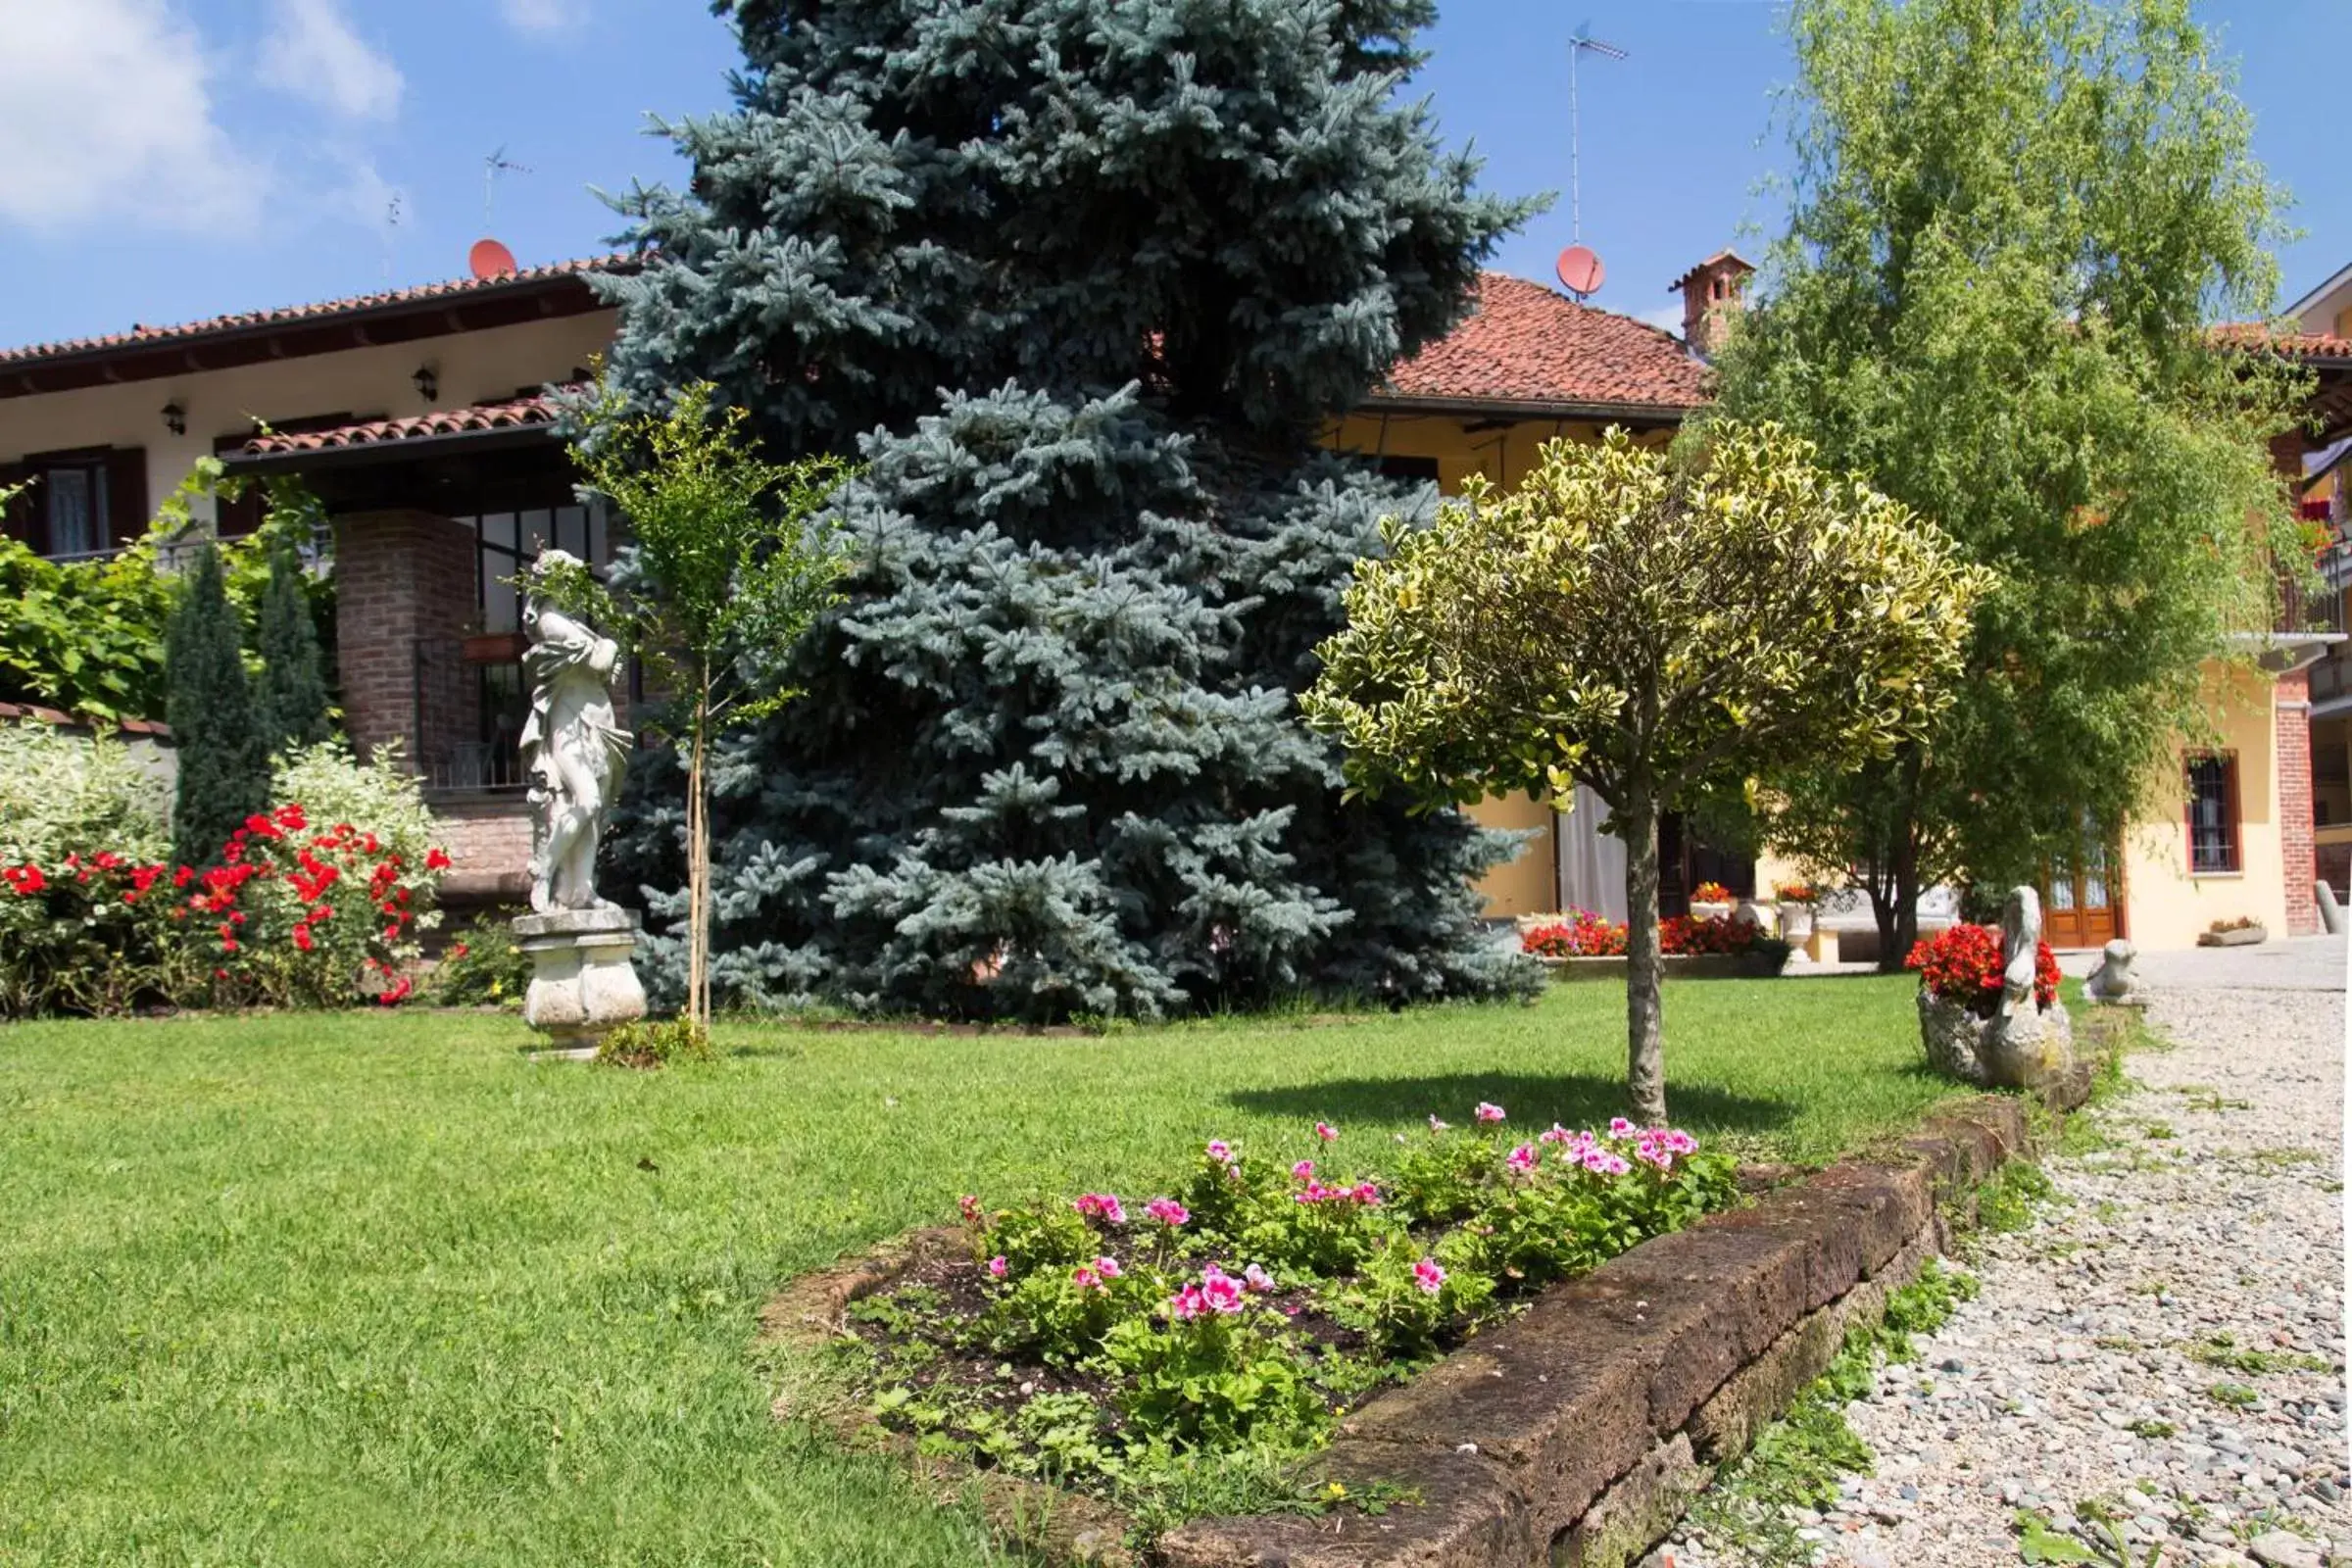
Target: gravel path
{"points": [[2092, 1375]]}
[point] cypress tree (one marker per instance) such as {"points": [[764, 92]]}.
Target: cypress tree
{"points": [[293, 695], [224, 759], [1077, 283]]}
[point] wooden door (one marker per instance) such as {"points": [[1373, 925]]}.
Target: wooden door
{"points": [[2082, 905]]}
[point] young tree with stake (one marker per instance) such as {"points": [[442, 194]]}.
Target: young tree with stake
{"points": [[730, 564], [1650, 624]]}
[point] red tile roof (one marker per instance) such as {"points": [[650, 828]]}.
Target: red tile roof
{"points": [[514, 413], [1528, 344], [2297, 345], [139, 336], [34, 713]]}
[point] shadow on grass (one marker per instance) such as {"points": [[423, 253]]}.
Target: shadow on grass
{"points": [[1531, 1100]]}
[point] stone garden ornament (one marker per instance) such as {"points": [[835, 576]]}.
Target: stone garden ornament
{"points": [[573, 749], [2113, 984], [2020, 1044]]}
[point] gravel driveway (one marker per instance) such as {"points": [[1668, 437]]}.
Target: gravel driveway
{"points": [[2164, 1343]]}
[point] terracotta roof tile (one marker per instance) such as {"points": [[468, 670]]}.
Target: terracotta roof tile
{"points": [[511, 415], [1529, 344], [296, 314], [2298, 345]]}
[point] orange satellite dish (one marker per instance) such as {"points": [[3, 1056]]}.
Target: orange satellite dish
{"points": [[489, 258], [1581, 270]]}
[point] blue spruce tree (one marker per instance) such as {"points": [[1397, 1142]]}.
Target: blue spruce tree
{"points": [[1077, 281]]}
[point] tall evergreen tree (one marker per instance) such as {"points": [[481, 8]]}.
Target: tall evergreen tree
{"points": [[1076, 282], [293, 696], [222, 756]]}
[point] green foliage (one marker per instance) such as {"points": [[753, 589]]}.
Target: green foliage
{"points": [[654, 1043], [1079, 281], [61, 791], [222, 755], [2012, 224], [292, 697], [87, 636], [1648, 625], [483, 966]]}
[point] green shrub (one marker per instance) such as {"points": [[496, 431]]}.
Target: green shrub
{"points": [[483, 965], [652, 1042], [60, 791]]}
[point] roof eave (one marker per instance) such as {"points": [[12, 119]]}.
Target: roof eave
{"points": [[310, 459], [1647, 414]]}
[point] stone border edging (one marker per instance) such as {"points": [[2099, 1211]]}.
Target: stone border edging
{"points": [[1575, 1435]]}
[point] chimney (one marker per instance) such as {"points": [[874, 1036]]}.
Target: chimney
{"points": [[1711, 291]]}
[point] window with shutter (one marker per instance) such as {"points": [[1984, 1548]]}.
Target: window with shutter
{"points": [[85, 503]]}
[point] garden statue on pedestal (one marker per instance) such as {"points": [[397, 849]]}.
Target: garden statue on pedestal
{"points": [[1988, 1008], [573, 747]]}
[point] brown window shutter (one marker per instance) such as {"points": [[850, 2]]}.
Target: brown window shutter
{"points": [[234, 519], [126, 495]]}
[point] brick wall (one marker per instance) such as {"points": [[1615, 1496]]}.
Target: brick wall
{"points": [[403, 580], [488, 838], [2300, 863]]}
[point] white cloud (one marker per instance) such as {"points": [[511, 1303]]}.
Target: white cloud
{"points": [[310, 53], [540, 16], [106, 110]]}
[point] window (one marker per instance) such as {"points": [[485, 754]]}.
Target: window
{"points": [[2213, 848], [79, 503], [1418, 471]]}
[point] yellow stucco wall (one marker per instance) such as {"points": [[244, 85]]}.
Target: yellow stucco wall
{"points": [[2165, 906], [1504, 453], [376, 382]]}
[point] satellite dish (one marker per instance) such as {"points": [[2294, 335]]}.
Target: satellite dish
{"points": [[1581, 270], [489, 258]]}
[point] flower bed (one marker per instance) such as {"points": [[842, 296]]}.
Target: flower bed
{"points": [[1587, 947], [1170, 1354], [1962, 965], [293, 914]]}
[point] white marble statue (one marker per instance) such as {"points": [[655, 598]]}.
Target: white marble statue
{"points": [[573, 747]]}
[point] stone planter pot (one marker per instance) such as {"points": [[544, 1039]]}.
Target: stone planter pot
{"points": [[2023, 1050], [2244, 936], [1709, 911], [1796, 923]]}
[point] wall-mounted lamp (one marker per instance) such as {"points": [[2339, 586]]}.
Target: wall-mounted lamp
{"points": [[429, 382], [175, 418]]}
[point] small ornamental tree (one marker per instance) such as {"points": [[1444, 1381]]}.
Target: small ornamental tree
{"points": [[1650, 624], [729, 565], [293, 688], [222, 755]]}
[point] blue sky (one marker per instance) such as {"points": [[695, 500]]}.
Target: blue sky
{"points": [[166, 159]]}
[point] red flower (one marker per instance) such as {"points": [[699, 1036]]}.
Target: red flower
{"points": [[457, 950], [397, 992], [436, 859], [261, 827], [302, 938], [26, 880], [1963, 963], [289, 816], [183, 877]]}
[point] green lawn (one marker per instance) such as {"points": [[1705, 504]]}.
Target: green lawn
{"points": [[371, 1289]]}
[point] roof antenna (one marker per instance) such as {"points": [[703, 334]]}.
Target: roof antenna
{"points": [[391, 233], [1580, 269], [495, 164]]}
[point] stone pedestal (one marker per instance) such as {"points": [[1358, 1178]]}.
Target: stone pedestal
{"points": [[582, 984]]}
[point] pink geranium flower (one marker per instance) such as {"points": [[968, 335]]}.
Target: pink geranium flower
{"points": [[1436, 1126], [1487, 1112], [1305, 1170], [1365, 1193], [1429, 1275], [1103, 1206], [1187, 1305], [1619, 1127], [1108, 1267], [1680, 1142], [995, 1266], [1220, 1291], [1086, 1278], [1522, 1160], [1255, 1278], [969, 1207], [1556, 1135], [1220, 1151], [1326, 1130], [1167, 1211]]}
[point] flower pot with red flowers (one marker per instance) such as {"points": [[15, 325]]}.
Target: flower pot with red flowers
{"points": [[1988, 1008], [1712, 900], [1796, 901]]}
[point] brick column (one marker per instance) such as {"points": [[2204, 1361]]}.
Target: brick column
{"points": [[2290, 701], [404, 584]]}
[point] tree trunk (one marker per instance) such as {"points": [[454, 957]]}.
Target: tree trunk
{"points": [[1644, 1049], [698, 874], [1898, 924], [1906, 905]]}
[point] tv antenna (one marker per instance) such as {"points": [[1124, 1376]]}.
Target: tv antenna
{"points": [[495, 164], [1578, 43]]}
